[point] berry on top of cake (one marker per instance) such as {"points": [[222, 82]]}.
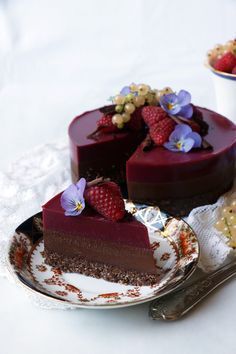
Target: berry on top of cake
{"points": [[139, 108], [223, 57], [86, 229], [160, 146]]}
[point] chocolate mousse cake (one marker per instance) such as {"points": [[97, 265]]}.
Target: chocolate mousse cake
{"points": [[103, 154], [167, 151], [92, 234]]}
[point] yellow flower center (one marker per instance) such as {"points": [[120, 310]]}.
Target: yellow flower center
{"points": [[78, 206], [170, 106], [179, 145], [133, 88]]}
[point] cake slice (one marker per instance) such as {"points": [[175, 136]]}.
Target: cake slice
{"points": [[92, 244]]}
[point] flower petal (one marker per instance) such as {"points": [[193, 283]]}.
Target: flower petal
{"points": [[187, 145], [180, 132], [166, 101], [169, 98], [73, 212], [171, 146], [197, 139], [69, 197], [186, 111], [184, 98], [175, 110], [81, 184], [125, 91]]}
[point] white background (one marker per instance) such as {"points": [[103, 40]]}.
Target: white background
{"points": [[59, 58]]}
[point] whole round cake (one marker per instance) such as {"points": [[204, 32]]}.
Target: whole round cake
{"points": [[165, 150]]}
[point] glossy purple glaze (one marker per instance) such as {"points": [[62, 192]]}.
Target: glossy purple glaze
{"points": [[162, 165], [103, 156], [89, 224], [158, 174]]}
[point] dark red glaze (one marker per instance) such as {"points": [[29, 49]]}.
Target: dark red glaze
{"points": [[91, 237], [88, 155], [159, 174], [92, 225], [163, 174], [162, 165]]}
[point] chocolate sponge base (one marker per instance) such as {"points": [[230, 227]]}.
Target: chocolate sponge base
{"points": [[97, 270]]}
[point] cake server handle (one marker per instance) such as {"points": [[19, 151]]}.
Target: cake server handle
{"points": [[179, 302]]}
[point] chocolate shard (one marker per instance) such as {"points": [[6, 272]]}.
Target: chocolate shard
{"points": [[95, 134], [108, 109], [196, 122], [198, 118], [97, 181], [147, 143], [206, 145]]}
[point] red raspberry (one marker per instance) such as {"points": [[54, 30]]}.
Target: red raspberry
{"points": [[161, 131], [153, 114], [115, 188], [234, 70], [105, 121], [107, 200], [226, 63], [105, 124]]}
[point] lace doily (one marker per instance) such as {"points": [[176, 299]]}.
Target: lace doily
{"points": [[213, 244], [45, 171], [28, 184]]}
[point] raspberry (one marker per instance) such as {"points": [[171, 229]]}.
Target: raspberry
{"points": [[105, 124], [107, 200], [115, 188], [161, 131], [153, 114], [105, 121], [226, 63], [234, 70]]}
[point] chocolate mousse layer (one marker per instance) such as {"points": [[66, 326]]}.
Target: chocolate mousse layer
{"points": [[101, 251]]}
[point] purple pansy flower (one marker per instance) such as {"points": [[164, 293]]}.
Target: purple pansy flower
{"points": [[183, 139], [177, 104], [72, 199], [127, 90]]}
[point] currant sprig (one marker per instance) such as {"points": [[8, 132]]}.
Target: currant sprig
{"points": [[227, 222], [132, 97]]}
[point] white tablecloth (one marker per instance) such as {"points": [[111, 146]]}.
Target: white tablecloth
{"points": [[59, 58]]}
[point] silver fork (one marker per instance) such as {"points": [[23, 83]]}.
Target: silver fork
{"points": [[179, 302]]}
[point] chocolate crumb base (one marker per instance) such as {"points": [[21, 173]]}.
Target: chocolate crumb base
{"points": [[97, 270]]}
